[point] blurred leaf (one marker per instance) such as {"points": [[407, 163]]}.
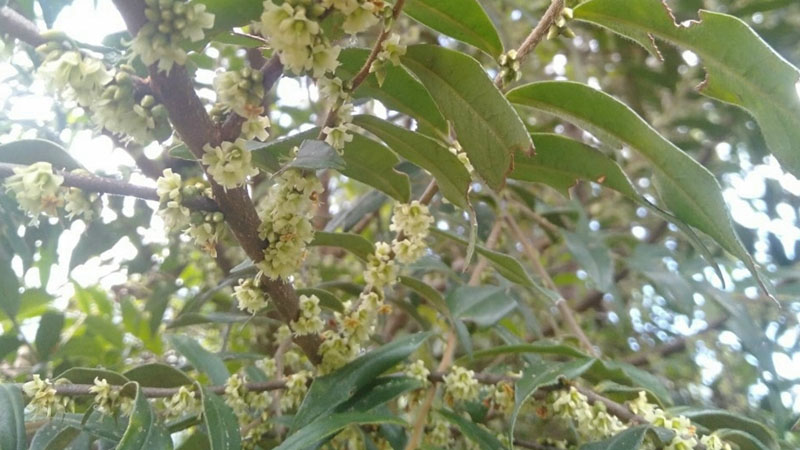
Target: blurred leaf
{"points": [[630, 439], [103, 327], [754, 77], [158, 375], [450, 174], [48, 333], [541, 347], [742, 439], [593, 256], [428, 293], [379, 392], [487, 127], [51, 9], [202, 360], [399, 91], [29, 151], [307, 436], [9, 343], [329, 391], [221, 424], [232, 13], [12, 418], [481, 436], [464, 20], [316, 155], [85, 375], [9, 289], [143, 431], [484, 305], [52, 436], [716, 419], [354, 243]]}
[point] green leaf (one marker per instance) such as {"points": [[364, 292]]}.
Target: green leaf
{"points": [[541, 375], [29, 151], [51, 9], [12, 418], [541, 347], [10, 298], [52, 436], [202, 360], [330, 391], [221, 424], [688, 189], [754, 76], [560, 162], [716, 419], [451, 176], [9, 343], [593, 256], [380, 392], [353, 243], [425, 291], [85, 375], [486, 125], [143, 431], [472, 431], [158, 375], [742, 439], [399, 91], [630, 439], [318, 430], [48, 333], [229, 14], [484, 305], [464, 20], [316, 155]]}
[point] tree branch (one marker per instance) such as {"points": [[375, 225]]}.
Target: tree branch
{"points": [[17, 26]]}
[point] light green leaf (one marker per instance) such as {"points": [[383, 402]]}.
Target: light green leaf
{"points": [[484, 122], [481, 436], [425, 291], [221, 424], [560, 162], [316, 155], [29, 151], [742, 69], [202, 360], [540, 375], [687, 188], [541, 347], [483, 305], [86, 375], [48, 333], [380, 392], [229, 14], [399, 91], [52, 436], [158, 375], [10, 298], [324, 427], [330, 391], [9, 343], [464, 20], [451, 176], [353, 243], [12, 418], [143, 431]]}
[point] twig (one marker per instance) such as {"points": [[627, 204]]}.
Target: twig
{"points": [[678, 345], [103, 185], [17, 26]]}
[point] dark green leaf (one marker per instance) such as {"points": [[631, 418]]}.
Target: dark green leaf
{"points": [[464, 20], [12, 418], [541, 347], [330, 391], [486, 125], [29, 151], [202, 360], [307, 436], [9, 289], [354, 243], [85, 375], [48, 333], [316, 155], [451, 176], [158, 375], [221, 424], [742, 439], [425, 291], [716, 419], [53, 436], [9, 343], [484, 305], [143, 431], [380, 392], [472, 431]]}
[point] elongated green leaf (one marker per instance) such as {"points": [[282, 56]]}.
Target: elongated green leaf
{"points": [[221, 424], [143, 431], [542, 347], [29, 151], [324, 427], [316, 155], [12, 418], [399, 91], [49, 333], [86, 375], [464, 20], [472, 431], [202, 360], [9, 343], [54, 435], [380, 392], [715, 419], [688, 189], [630, 439], [560, 162], [353, 243], [10, 298], [483, 305], [229, 14], [754, 76], [451, 176], [425, 291], [158, 375], [743, 439], [330, 391], [540, 375], [485, 123]]}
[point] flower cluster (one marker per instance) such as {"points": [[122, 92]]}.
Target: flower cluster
{"points": [[411, 222], [286, 222], [241, 91], [249, 296], [353, 329], [36, 189], [418, 371], [183, 402], [460, 385], [509, 67], [80, 204], [341, 131], [169, 24], [559, 27], [391, 51], [230, 163], [592, 422], [296, 388], [44, 399], [108, 400], [207, 229], [381, 268], [310, 320], [438, 433], [503, 397], [79, 76], [250, 408], [256, 128], [170, 194]]}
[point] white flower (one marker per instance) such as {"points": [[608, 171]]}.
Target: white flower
{"points": [[43, 397], [713, 442], [79, 204], [169, 23], [409, 250], [256, 128], [229, 164], [168, 188], [207, 229], [462, 156], [296, 388], [298, 30], [310, 320], [324, 59], [331, 90], [250, 296], [381, 270], [183, 402], [338, 136], [418, 371], [81, 77], [36, 189], [241, 91], [360, 18], [106, 399], [460, 385], [412, 219], [392, 50], [118, 111]]}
